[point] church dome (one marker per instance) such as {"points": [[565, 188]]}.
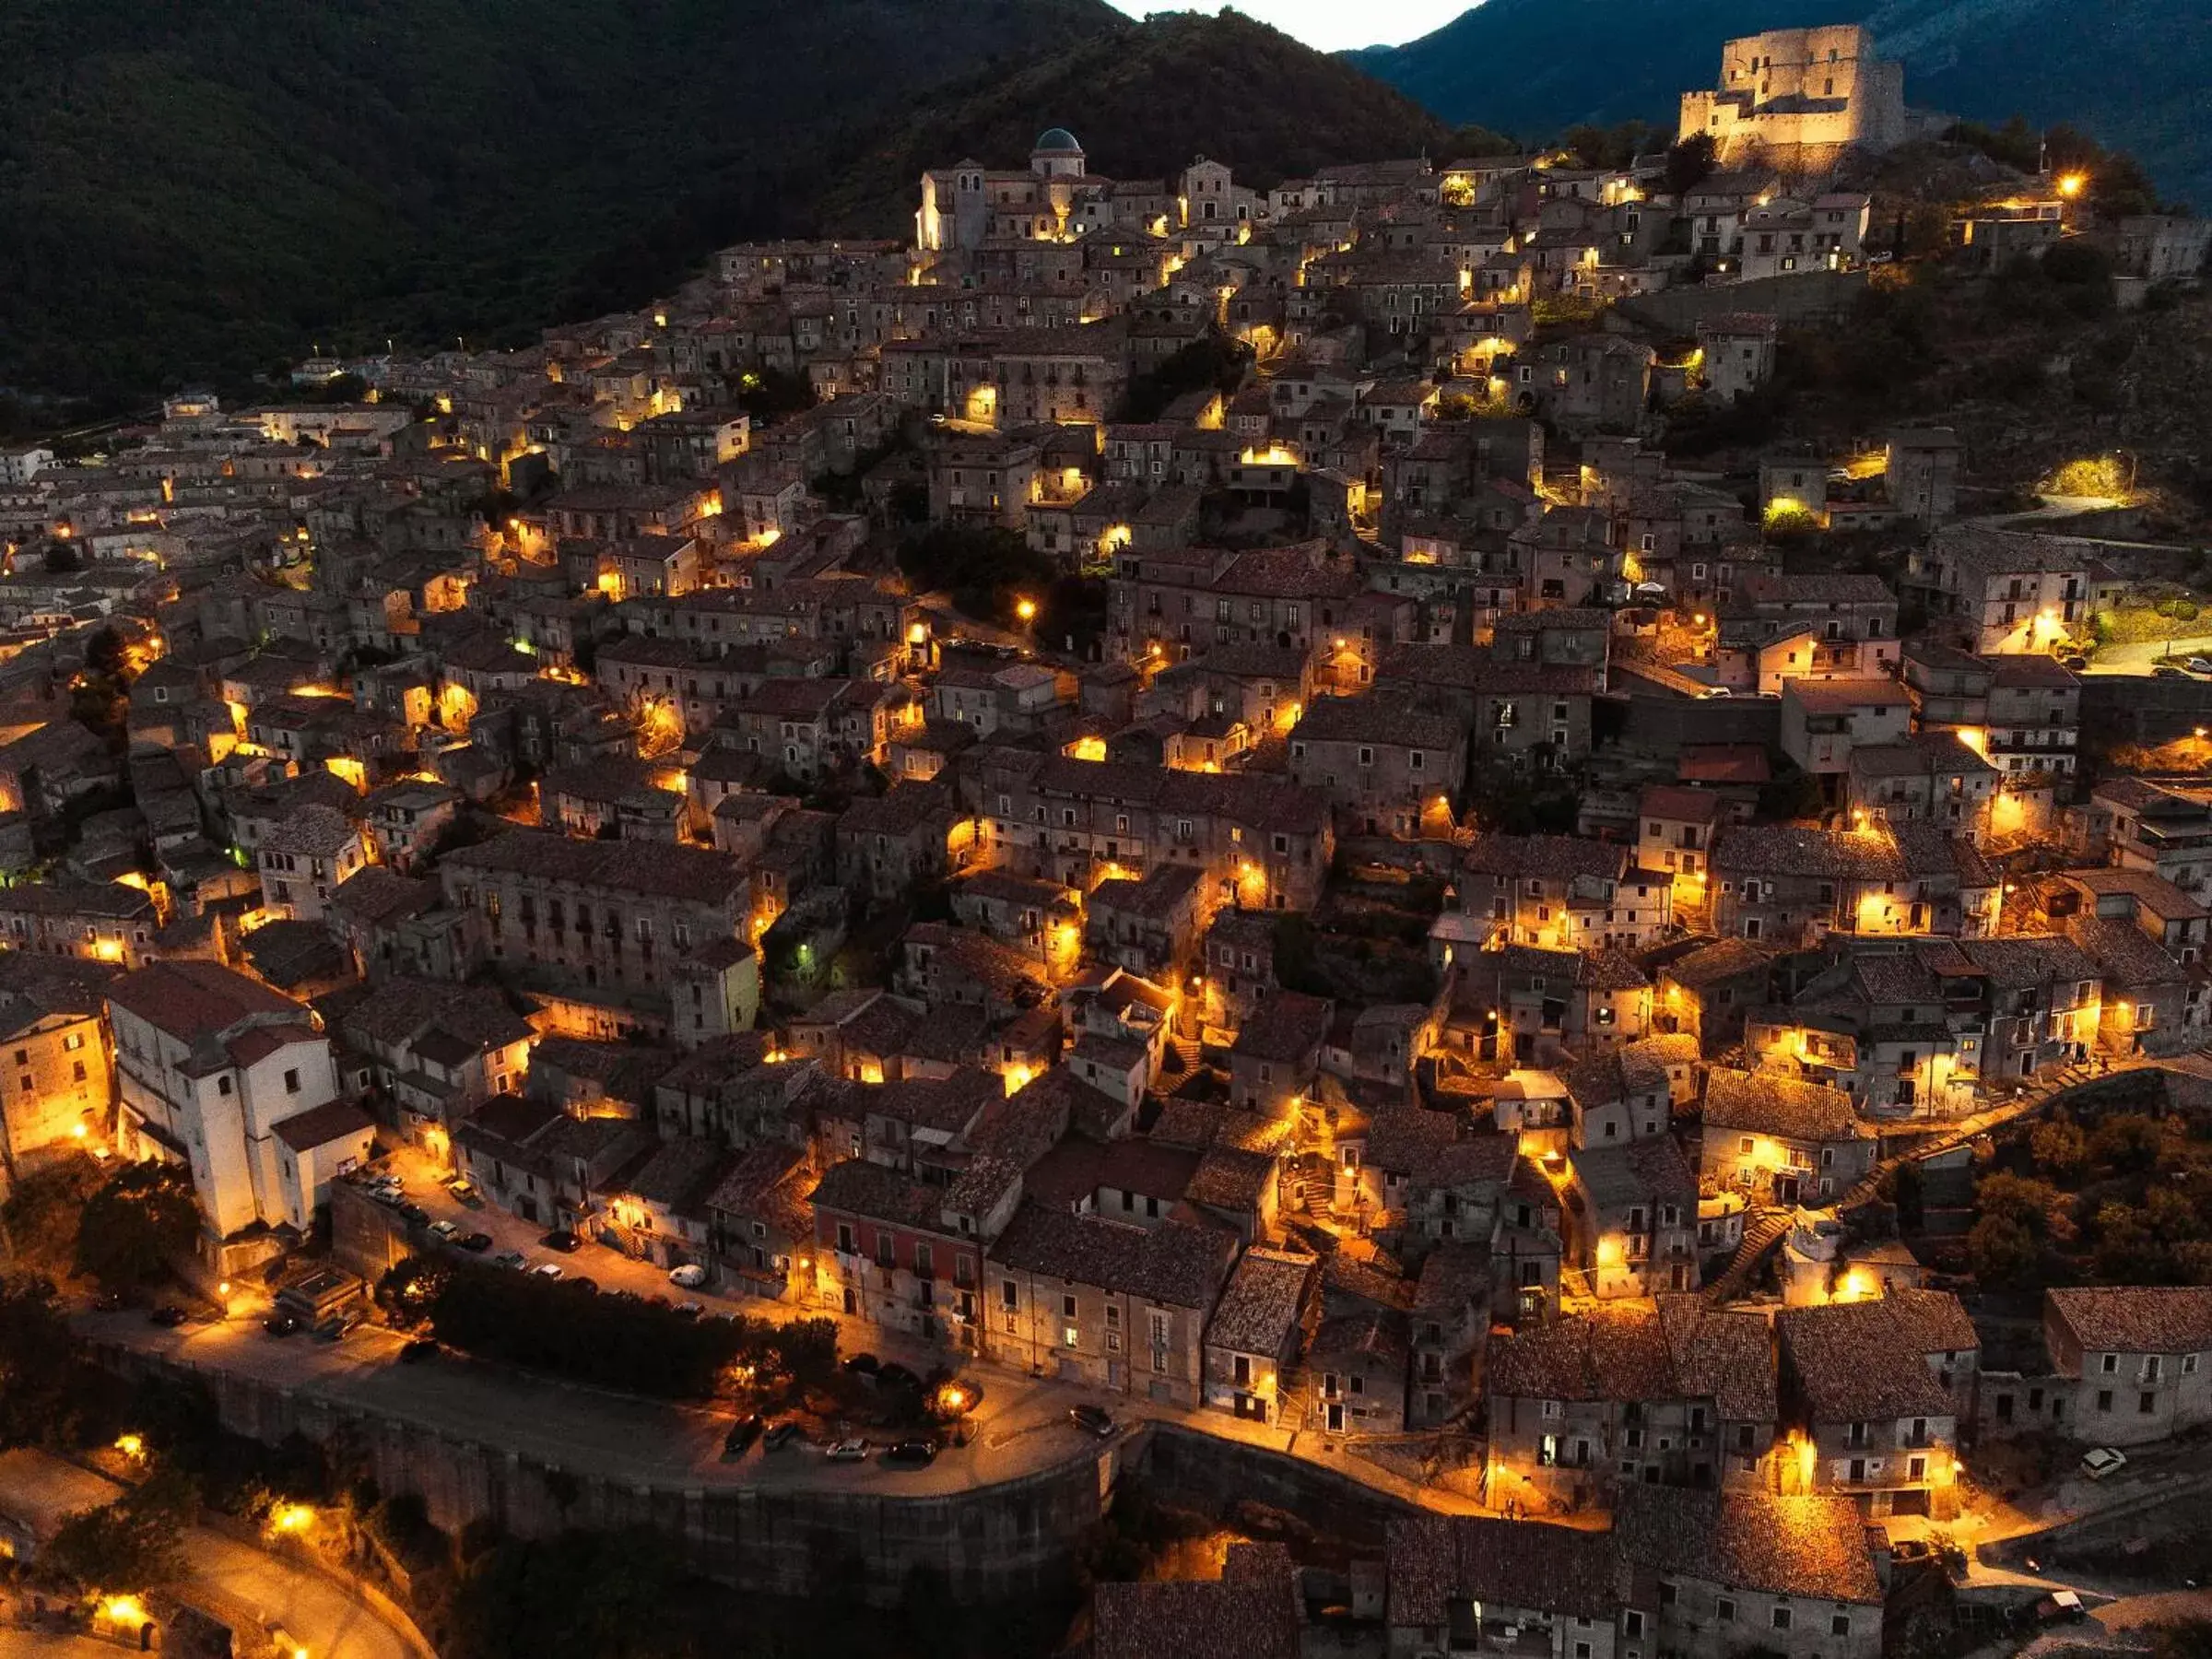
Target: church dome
{"points": [[1057, 140]]}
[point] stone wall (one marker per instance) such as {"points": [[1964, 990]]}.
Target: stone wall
{"points": [[1802, 296], [1011, 1538]]}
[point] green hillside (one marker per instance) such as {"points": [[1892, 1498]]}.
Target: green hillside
{"points": [[194, 188]]}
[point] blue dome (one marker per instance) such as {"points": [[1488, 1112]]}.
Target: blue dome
{"points": [[1057, 138]]}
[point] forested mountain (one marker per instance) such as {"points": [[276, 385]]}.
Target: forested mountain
{"points": [[198, 189], [196, 186]]}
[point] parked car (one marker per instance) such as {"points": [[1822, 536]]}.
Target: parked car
{"points": [[415, 1213], [416, 1351], [281, 1324], [463, 1189], [583, 1282], [2166, 672], [862, 1365], [508, 1258], [331, 1329], [915, 1454], [2103, 1461], [562, 1239], [2199, 665], [743, 1433], [780, 1436], [1091, 1419], [447, 1231], [169, 1315], [690, 1275], [2074, 664], [2061, 1607], [849, 1451], [894, 1375], [549, 1270], [477, 1242]]}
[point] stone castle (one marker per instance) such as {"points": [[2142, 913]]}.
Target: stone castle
{"points": [[1800, 96]]}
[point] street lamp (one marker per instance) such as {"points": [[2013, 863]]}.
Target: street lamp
{"points": [[1027, 611]]}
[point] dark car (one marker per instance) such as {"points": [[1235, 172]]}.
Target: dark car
{"points": [[477, 1243], [2076, 664], [2170, 674], [416, 1212], [914, 1453], [862, 1365], [281, 1324], [1091, 1419], [894, 1375], [781, 1435], [562, 1239], [168, 1314], [578, 1281], [743, 1433], [416, 1351]]}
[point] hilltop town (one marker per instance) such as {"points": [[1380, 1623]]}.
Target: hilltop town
{"points": [[1166, 839]]}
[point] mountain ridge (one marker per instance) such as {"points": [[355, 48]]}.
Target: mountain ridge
{"points": [[2143, 89]]}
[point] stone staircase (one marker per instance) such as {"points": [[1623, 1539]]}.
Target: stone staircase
{"points": [[1183, 1057], [1309, 1185], [1763, 1232]]}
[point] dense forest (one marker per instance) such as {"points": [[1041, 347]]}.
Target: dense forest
{"points": [[199, 190]]}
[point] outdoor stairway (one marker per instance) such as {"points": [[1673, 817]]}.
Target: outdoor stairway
{"points": [[1188, 1056], [1763, 1232], [1313, 1185]]}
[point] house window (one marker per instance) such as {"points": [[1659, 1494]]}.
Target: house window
{"points": [[1782, 1618], [1724, 1609], [1839, 1624], [291, 1082]]}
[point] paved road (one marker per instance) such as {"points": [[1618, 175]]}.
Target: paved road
{"points": [[30, 1645], [43, 1490], [2144, 654]]}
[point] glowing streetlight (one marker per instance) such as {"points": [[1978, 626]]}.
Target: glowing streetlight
{"points": [[1027, 611], [2071, 184]]}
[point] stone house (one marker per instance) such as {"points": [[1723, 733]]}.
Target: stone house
{"points": [[1258, 1331], [1107, 1304], [1872, 1396], [2135, 1360]]}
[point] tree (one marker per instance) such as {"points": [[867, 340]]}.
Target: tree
{"points": [[38, 1362], [2126, 1142], [136, 1224], [129, 1545], [43, 1215], [2034, 1205], [986, 570], [61, 559], [2003, 1251], [2058, 1147], [1689, 161]]}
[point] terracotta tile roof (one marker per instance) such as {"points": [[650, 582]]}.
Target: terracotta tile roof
{"points": [[1174, 1262], [1261, 1303], [1766, 1104], [2137, 1319], [192, 999], [1861, 1361], [322, 1125], [1435, 1559], [1811, 1547]]}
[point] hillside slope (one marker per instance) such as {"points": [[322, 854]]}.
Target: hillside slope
{"points": [[2134, 72], [1145, 101], [195, 188]]}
